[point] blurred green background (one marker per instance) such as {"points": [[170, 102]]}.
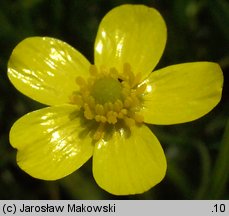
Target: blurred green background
{"points": [[197, 152]]}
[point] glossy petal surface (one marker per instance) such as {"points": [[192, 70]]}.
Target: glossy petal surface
{"points": [[182, 93], [51, 142], [45, 69], [135, 34], [129, 162]]}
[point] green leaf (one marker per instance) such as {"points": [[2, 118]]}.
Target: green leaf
{"points": [[220, 172]]}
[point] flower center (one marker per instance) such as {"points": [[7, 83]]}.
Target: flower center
{"points": [[106, 90], [108, 97]]}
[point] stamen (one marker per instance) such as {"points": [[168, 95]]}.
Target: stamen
{"points": [[137, 80], [80, 81], [112, 117], [118, 105], [128, 102], [127, 71], [99, 132], [76, 99], [138, 118], [91, 101], [129, 122], [141, 89], [114, 73], [93, 70], [88, 112], [99, 109]]}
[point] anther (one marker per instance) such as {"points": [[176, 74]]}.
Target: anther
{"points": [[138, 118], [118, 105], [76, 99], [127, 71], [93, 70], [88, 113], [128, 102], [129, 121], [111, 117], [114, 73], [99, 132], [141, 89], [80, 81], [99, 109], [136, 80]]}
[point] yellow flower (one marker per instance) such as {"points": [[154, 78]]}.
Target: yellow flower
{"points": [[99, 110]]}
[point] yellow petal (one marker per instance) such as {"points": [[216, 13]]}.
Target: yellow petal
{"points": [[51, 142], [45, 69], [134, 34], [182, 93], [129, 162]]}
